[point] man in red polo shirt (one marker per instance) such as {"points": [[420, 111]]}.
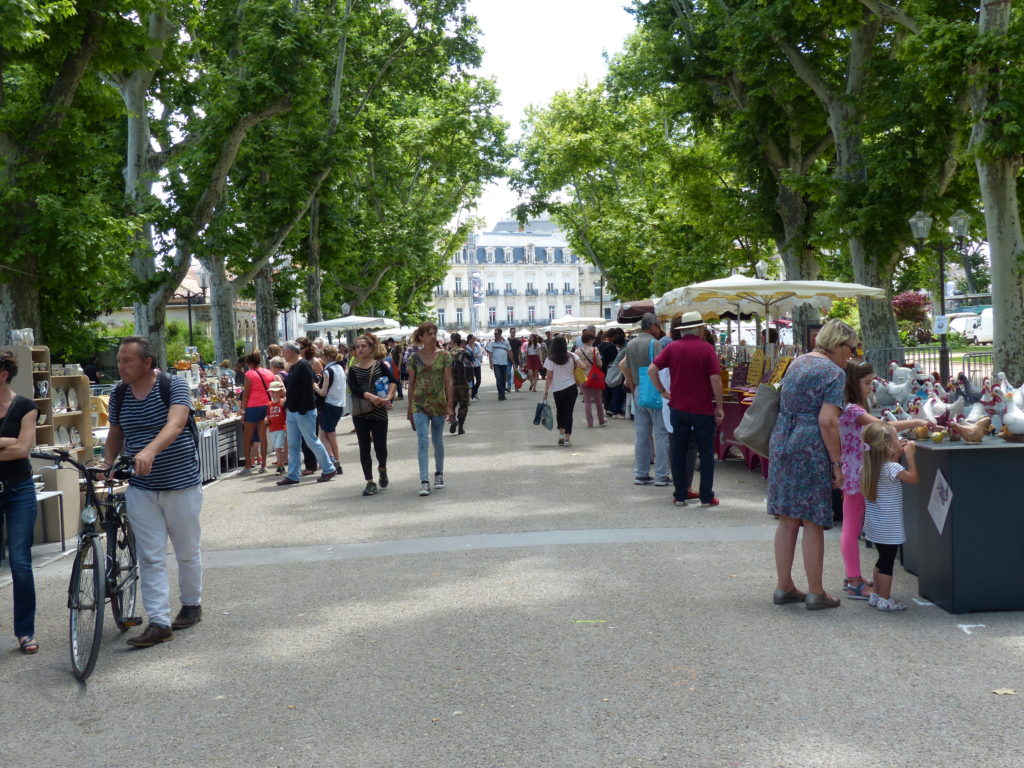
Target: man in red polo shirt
{"points": [[695, 402]]}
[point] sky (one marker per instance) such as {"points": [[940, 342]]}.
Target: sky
{"points": [[535, 48]]}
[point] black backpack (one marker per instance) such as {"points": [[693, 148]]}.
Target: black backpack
{"points": [[462, 367], [163, 381]]}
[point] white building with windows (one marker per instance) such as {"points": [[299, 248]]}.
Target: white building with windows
{"points": [[515, 276]]}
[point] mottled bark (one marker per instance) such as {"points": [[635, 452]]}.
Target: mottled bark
{"points": [[266, 309], [315, 313]]}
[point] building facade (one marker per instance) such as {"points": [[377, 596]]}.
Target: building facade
{"points": [[515, 276]]}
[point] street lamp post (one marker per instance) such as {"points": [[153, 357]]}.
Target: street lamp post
{"points": [[920, 226], [204, 283]]}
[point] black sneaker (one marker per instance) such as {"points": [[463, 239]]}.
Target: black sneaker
{"points": [[384, 478], [370, 489], [451, 429], [645, 480], [424, 488], [438, 480]]}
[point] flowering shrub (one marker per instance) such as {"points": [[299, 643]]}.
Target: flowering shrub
{"points": [[911, 305]]}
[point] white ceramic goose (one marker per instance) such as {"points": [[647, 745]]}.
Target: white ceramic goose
{"points": [[1013, 419], [975, 413], [901, 392], [956, 408], [898, 374]]}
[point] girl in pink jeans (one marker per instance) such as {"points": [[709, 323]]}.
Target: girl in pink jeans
{"points": [[854, 418], [590, 355]]}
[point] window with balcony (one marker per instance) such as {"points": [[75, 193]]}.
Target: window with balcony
{"points": [[510, 315], [567, 287], [458, 286], [531, 315], [492, 315], [508, 286], [551, 288], [440, 317], [551, 311], [458, 316], [530, 290]]}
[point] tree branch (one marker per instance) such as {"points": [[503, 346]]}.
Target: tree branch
{"points": [[862, 47], [891, 14], [808, 74]]}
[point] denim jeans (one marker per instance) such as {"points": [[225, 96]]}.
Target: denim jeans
{"points": [[302, 426], [429, 428], [701, 429], [18, 507], [501, 377], [476, 380], [650, 423]]}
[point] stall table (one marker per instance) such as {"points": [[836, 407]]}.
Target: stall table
{"points": [[230, 452], [724, 439], [968, 558]]}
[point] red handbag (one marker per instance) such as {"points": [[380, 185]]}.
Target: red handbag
{"points": [[595, 378]]}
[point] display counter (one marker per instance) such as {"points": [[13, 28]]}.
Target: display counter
{"points": [[965, 534]]}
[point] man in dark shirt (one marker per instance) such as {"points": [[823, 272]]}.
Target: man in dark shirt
{"points": [[300, 409]]}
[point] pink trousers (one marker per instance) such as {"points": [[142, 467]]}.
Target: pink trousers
{"points": [[593, 396], [853, 524]]}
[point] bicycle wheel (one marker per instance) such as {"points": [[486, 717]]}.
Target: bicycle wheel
{"points": [[123, 578], [85, 601]]}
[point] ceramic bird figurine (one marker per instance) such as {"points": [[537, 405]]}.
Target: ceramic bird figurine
{"points": [[956, 408], [898, 374], [940, 392], [1013, 419], [971, 391], [899, 413], [975, 413], [882, 396], [902, 391], [972, 433]]}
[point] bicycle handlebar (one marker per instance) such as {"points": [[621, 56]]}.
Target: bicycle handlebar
{"points": [[120, 470]]}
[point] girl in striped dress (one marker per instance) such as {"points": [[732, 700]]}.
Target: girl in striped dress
{"points": [[883, 496]]}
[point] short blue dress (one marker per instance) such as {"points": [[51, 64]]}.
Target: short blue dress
{"points": [[799, 471]]}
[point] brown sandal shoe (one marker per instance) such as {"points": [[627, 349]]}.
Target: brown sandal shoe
{"points": [[28, 645], [782, 597]]}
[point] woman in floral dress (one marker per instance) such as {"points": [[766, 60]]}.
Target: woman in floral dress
{"points": [[804, 461]]}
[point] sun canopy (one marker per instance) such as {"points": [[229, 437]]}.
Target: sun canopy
{"points": [[765, 297], [351, 323]]}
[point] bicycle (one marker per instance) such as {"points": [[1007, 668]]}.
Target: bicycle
{"points": [[92, 586]]}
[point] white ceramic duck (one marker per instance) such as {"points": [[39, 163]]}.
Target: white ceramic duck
{"points": [[1013, 419], [882, 396], [956, 408], [901, 392], [975, 413], [898, 374]]}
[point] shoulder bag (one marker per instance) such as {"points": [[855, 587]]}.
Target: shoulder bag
{"points": [[755, 428], [577, 371], [647, 394], [595, 377], [360, 405], [613, 378]]}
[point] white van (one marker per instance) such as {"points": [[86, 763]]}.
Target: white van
{"points": [[982, 331]]}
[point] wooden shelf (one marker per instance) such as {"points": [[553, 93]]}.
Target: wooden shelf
{"points": [[68, 413]]}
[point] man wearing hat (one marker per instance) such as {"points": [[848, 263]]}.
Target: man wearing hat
{"points": [[695, 403]]}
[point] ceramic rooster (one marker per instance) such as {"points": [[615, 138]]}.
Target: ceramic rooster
{"points": [[901, 392], [882, 396], [898, 374]]}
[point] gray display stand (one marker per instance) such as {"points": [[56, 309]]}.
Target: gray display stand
{"points": [[972, 563]]}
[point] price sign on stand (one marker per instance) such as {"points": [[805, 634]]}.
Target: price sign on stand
{"points": [[941, 325], [781, 365], [756, 371]]}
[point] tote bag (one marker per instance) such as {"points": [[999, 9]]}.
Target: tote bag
{"points": [[647, 395], [595, 377], [613, 378], [755, 428]]}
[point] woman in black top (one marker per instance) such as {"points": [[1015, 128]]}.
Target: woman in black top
{"points": [[371, 380], [18, 498]]}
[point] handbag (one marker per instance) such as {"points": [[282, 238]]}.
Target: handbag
{"points": [[361, 406], [613, 378], [755, 428], [595, 377], [578, 373], [647, 394], [546, 418]]}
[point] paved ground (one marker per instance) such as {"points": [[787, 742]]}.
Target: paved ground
{"points": [[539, 611]]}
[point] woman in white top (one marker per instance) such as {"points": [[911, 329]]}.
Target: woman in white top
{"points": [[561, 364], [331, 388]]}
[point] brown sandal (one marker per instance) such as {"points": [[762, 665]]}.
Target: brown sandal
{"points": [[28, 645], [782, 597]]}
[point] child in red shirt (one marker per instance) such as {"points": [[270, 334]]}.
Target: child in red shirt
{"points": [[276, 428]]}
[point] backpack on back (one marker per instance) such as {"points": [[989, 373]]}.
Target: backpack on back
{"points": [[462, 367], [163, 381]]}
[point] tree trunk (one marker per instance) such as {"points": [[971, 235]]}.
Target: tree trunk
{"points": [[266, 309], [222, 310], [315, 314], [19, 301], [878, 328], [797, 259], [997, 174]]}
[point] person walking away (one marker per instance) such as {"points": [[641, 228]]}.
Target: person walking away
{"points": [[255, 399], [276, 427], [515, 359], [431, 393], [855, 417], [462, 382], [648, 422], [18, 498], [477, 350], [883, 494], [372, 380], [500, 353], [534, 346], [332, 389], [695, 401], [613, 397], [300, 417], [561, 380], [165, 492], [804, 461], [592, 398]]}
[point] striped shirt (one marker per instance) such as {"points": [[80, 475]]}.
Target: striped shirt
{"points": [[883, 518], [177, 466]]}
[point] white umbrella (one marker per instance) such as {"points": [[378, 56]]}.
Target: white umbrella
{"points": [[352, 322], [765, 297], [572, 321]]}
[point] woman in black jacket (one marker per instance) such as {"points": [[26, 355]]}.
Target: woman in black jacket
{"points": [[373, 388]]}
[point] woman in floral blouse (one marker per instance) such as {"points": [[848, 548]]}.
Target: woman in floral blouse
{"points": [[431, 393]]}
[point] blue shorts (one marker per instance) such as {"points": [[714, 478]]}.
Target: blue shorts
{"points": [[254, 414], [330, 415], [277, 439]]}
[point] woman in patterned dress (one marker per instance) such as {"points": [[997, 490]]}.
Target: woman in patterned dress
{"points": [[804, 461]]}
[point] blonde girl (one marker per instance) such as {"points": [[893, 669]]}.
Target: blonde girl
{"points": [[883, 496]]}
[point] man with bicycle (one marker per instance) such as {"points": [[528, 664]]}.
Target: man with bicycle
{"points": [[151, 419]]}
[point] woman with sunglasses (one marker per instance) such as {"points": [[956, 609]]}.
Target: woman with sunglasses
{"points": [[18, 497], [805, 461]]}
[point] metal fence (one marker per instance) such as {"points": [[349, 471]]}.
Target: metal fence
{"points": [[925, 358], [978, 365]]}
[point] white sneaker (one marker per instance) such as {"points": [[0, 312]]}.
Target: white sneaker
{"points": [[424, 488], [890, 604], [873, 600], [438, 480]]}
